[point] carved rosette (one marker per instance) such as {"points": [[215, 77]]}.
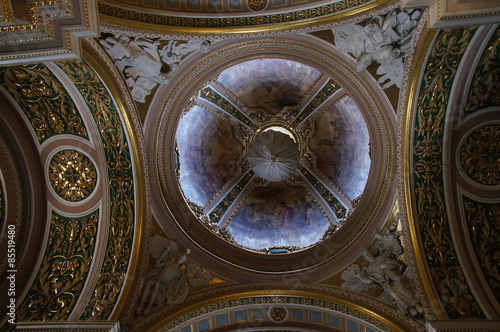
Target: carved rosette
{"points": [[278, 314], [72, 175], [257, 4], [480, 155]]}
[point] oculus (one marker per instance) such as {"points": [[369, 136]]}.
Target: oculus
{"points": [[272, 155]]}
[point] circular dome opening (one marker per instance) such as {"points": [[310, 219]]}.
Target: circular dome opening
{"points": [[282, 156], [273, 154]]}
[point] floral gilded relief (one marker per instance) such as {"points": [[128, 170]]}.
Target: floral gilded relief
{"points": [[440, 255], [64, 269], [44, 101], [72, 175], [483, 222], [121, 185], [485, 87], [480, 155]]}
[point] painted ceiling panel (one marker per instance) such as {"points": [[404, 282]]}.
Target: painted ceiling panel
{"points": [[269, 83], [207, 157], [342, 147], [278, 216]]}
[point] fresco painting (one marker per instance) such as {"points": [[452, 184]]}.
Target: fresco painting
{"points": [[269, 83], [278, 216], [207, 157], [342, 147]]}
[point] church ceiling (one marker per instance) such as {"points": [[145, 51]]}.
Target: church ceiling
{"points": [[213, 165]]}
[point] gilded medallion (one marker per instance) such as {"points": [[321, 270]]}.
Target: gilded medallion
{"points": [[72, 175], [480, 155]]}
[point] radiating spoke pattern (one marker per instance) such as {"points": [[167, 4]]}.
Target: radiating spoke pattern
{"points": [[274, 153]]}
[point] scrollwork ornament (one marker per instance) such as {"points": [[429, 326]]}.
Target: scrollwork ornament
{"points": [[43, 100], [484, 91], [121, 185], [441, 258], [64, 269], [483, 221], [72, 175]]}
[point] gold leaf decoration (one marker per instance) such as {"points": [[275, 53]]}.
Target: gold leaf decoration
{"points": [[484, 90], [483, 221], [72, 175], [43, 100], [121, 186], [445, 270], [257, 4], [64, 269]]}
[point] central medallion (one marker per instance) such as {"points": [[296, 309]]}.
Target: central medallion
{"points": [[274, 154]]}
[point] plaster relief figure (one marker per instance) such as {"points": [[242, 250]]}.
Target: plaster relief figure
{"points": [[384, 272], [384, 39], [176, 50], [166, 284], [145, 62], [171, 277]]}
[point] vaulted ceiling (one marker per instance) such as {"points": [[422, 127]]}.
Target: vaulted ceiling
{"points": [[259, 165]]}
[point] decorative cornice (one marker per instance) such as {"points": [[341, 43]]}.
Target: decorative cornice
{"points": [[231, 21], [52, 32], [117, 25], [360, 306]]}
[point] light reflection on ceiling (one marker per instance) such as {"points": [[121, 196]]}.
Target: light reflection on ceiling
{"points": [[283, 216]]}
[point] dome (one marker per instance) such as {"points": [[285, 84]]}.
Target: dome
{"points": [[271, 157]]}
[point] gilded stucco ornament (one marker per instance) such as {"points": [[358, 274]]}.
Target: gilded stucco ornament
{"points": [[121, 224], [278, 314], [484, 91], [257, 4], [64, 269], [438, 248], [72, 175], [44, 101], [480, 155], [484, 229]]}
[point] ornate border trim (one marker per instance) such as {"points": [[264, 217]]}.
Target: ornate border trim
{"points": [[134, 23], [423, 181]]}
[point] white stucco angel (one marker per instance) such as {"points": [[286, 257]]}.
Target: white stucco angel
{"points": [[384, 39], [386, 273], [166, 283], [176, 50]]}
